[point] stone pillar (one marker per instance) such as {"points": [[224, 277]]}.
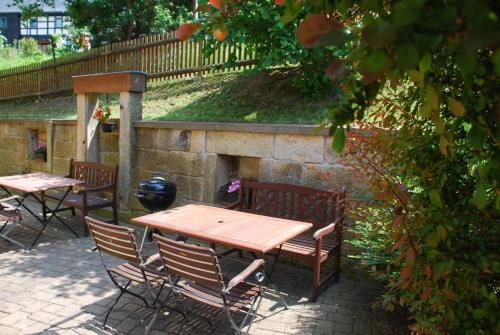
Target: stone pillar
{"points": [[130, 111], [87, 146]]}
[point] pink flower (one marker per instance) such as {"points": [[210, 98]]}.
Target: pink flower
{"points": [[235, 184]]}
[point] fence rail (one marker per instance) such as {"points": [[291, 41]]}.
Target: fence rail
{"points": [[161, 56]]}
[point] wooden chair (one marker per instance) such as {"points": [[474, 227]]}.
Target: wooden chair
{"points": [[121, 242], [200, 268], [98, 178], [324, 209], [9, 212]]}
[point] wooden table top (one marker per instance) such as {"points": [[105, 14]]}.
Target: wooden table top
{"points": [[252, 232], [37, 182]]}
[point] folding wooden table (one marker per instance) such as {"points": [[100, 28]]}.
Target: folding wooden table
{"points": [[240, 230], [31, 185]]}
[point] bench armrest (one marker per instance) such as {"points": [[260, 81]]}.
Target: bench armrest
{"points": [[234, 205], [320, 233], [256, 264]]}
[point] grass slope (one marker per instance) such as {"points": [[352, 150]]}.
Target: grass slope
{"points": [[228, 97]]}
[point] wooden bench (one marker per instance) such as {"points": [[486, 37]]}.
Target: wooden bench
{"points": [[98, 178], [325, 210]]}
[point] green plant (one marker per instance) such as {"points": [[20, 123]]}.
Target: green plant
{"points": [[3, 41], [257, 27], [429, 72], [29, 47]]}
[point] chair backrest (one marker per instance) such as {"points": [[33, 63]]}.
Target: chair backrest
{"points": [[191, 262], [114, 240], [292, 202], [93, 174]]}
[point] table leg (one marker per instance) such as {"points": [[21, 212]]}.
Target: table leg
{"points": [[54, 211], [269, 273]]}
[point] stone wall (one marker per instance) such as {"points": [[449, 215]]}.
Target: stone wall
{"points": [[198, 157]]}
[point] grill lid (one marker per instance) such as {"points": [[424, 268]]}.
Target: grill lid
{"points": [[156, 193]]}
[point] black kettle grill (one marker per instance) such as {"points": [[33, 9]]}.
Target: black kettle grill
{"points": [[156, 194]]}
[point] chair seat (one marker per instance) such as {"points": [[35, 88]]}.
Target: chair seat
{"points": [[305, 247], [132, 271], [76, 200], [240, 296], [10, 214]]}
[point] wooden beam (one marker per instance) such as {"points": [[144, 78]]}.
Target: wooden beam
{"points": [[115, 82]]}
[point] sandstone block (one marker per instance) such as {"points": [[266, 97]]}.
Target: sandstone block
{"points": [[249, 168], [240, 144], [64, 149], [109, 142], [266, 169], [287, 172], [327, 176], [197, 141], [185, 163], [152, 160], [301, 148], [330, 155]]}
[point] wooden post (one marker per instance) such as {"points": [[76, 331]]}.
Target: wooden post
{"points": [[130, 85], [87, 146], [130, 111]]}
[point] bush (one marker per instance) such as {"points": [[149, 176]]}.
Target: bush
{"points": [[29, 47]]}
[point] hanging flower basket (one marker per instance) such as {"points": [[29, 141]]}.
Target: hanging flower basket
{"points": [[102, 114], [108, 127]]}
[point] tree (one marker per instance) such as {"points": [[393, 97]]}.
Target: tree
{"points": [[429, 72], [118, 20]]}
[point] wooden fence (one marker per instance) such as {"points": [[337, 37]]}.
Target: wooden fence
{"points": [[161, 56]]}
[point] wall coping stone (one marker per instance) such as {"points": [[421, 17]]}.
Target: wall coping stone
{"points": [[209, 126], [239, 127]]}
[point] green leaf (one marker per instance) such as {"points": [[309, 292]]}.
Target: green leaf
{"points": [[495, 58], [406, 12], [417, 77], [456, 107], [425, 110], [407, 56], [376, 61], [479, 313], [425, 62], [466, 60], [432, 240], [480, 197], [435, 198], [432, 97], [476, 137], [338, 142]]}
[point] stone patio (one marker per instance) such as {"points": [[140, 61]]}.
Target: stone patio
{"points": [[62, 288]]}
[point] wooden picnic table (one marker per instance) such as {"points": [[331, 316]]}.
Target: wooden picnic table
{"points": [[30, 185], [240, 230]]}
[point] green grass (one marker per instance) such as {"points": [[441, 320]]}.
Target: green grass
{"points": [[10, 61], [229, 97]]}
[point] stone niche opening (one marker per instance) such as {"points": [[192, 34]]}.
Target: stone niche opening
{"points": [[229, 168], [37, 139]]}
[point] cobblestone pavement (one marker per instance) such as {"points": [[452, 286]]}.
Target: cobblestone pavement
{"points": [[62, 288]]}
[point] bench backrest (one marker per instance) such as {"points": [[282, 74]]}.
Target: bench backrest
{"points": [[93, 174], [292, 202]]}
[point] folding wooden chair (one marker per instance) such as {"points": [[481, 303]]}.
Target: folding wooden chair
{"points": [[120, 242], [9, 213], [203, 281]]}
